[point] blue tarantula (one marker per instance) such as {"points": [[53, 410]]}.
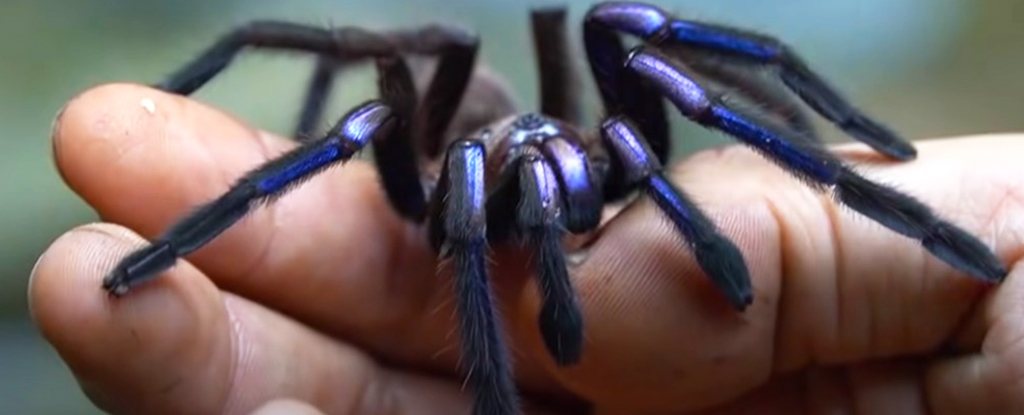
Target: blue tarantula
{"points": [[539, 176]]}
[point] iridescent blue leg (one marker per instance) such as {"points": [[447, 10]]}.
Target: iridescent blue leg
{"points": [[623, 92], [809, 160], [657, 28], [261, 185], [581, 192], [540, 222], [462, 230], [385, 123], [718, 257], [761, 90], [540, 190]]}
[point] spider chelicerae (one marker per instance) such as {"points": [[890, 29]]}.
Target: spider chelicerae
{"points": [[538, 177]]}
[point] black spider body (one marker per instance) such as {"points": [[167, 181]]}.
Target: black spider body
{"points": [[495, 175]]}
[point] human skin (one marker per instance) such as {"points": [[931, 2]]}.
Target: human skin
{"points": [[329, 298]]}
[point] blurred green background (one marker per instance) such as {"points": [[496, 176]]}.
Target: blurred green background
{"points": [[929, 68]]}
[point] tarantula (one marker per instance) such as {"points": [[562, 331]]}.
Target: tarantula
{"points": [[537, 177]]}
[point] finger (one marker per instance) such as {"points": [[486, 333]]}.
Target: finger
{"points": [[830, 286], [182, 346], [169, 347], [886, 295], [990, 381], [144, 166]]}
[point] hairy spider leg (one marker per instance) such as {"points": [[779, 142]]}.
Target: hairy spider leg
{"points": [[763, 92], [809, 160], [583, 196], [623, 92], [628, 95], [717, 256], [318, 91], [460, 225], [559, 80], [457, 57], [261, 185], [395, 153], [455, 48], [383, 122], [530, 203], [604, 47], [539, 218], [560, 99], [656, 27]]}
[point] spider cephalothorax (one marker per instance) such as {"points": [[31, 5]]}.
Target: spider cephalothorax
{"points": [[492, 175]]}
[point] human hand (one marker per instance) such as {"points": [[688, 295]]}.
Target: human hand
{"points": [[327, 297]]}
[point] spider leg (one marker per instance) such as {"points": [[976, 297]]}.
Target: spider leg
{"points": [[810, 161], [395, 153], [455, 48], [458, 52], [754, 86], [344, 43], [261, 185], [383, 122], [657, 27], [318, 91], [539, 218], [582, 196], [717, 256], [623, 92], [462, 227], [559, 81]]}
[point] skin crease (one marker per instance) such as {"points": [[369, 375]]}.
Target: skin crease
{"points": [[326, 297]]}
